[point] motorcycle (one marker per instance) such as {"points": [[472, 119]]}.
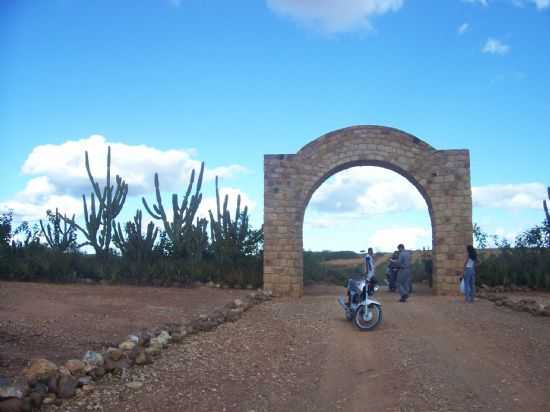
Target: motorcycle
{"points": [[361, 309]]}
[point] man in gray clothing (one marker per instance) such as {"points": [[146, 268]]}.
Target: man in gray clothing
{"points": [[404, 276]]}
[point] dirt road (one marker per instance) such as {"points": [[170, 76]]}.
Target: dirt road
{"points": [[430, 354]]}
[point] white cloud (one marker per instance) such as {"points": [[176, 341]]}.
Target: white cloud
{"points": [[386, 240], [24, 209], [512, 196], [494, 46], [463, 28], [62, 178], [334, 15], [540, 4], [209, 202], [367, 191], [484, 3]]}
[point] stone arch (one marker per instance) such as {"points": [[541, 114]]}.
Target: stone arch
{"points": [[441, 176]]}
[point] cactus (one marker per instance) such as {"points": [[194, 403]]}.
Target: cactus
{"points": [[99, 220], [546, 207], [62, 238], [135, 245], [183, 215], [229, 236]]}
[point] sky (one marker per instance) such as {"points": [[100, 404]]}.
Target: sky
{"points": [[171, 83]]}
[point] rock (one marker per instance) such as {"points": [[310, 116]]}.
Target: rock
{"points": [[203, 323], [154, 350], [52, 384], [15, 389], [40, 370], [127, 345], [108, 365], [75, 367], [234, 314], [164, 336], [120, 365], [40, 388], [98, 372], [11, 405], [66, 387], [50, 399], [85, 380], [133, 338], [62, 370], [145, 337], [142, 358], [114, 353], [178, 337], [211, 284], [162, 339], [93, 358], [249, 286], [134, 385], [88, 388], [237, 303]]}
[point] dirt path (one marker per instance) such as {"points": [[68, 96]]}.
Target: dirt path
{"points": [[63, 321], [430, 354]]}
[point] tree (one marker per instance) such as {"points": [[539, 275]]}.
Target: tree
{"points": [[480, 237]]}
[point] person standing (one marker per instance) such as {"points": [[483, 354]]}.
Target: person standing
{"points": [[393, 269], [368, 269], [470, 274], [404, 276]]}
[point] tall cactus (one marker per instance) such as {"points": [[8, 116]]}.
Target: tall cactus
{"points": [[59, 238], [546, 208], [183, 214], [99, 220], [228, 236], [135, 245]]}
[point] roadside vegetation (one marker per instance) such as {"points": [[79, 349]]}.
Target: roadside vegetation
{"points": [[223, 249]]}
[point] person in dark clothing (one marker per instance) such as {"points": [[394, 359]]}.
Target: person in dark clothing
{"points": [[404, 277], [393, 269]]}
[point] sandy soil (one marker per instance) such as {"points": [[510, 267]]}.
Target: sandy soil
{"points": [[430, 354], [61, 322]]}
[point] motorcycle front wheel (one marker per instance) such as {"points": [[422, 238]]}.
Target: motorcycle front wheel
{"points": [[369, 322]]}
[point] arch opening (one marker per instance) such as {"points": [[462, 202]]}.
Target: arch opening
{"points": [[358, 207]]}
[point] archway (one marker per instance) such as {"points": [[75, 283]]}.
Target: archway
{"points": [[441, 176]]}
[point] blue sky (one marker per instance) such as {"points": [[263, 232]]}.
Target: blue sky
{"points": [[177, 82]]}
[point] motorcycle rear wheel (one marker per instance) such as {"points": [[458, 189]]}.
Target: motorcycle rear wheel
{"points": [[372, 322]]}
